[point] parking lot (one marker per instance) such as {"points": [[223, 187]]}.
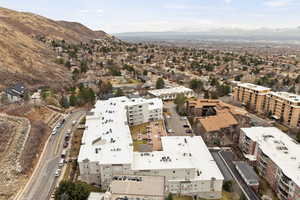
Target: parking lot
{"points": [[175, 124]]}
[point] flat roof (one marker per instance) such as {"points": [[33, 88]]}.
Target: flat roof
{"points": [[246, 170], [180, 152], [107, 138], [287, 96], [138, 185], [279, 147], [95, 196], [173, 90], [253, 86]]}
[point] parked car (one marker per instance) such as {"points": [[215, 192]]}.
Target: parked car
{"points": [[57, 172], [67, 138], [61, 162], [66, 144], [186, 126], [170, 130], [183, 118], [188, 131]]}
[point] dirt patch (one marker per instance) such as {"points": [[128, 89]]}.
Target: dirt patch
{"points": [[5, 135], [37, 137], [19, 147], [11, 177]]}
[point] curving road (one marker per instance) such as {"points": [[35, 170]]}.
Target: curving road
{"points": [[43, 180]]}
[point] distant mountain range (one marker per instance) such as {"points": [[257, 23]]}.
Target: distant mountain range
{"points": [[231, 34]]}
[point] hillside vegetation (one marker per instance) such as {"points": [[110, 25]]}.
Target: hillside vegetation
{"points": [[26, 59]]}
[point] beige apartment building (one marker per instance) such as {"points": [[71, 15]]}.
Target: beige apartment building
{"points": [[281, 106], [251, 95], [284, 106]]}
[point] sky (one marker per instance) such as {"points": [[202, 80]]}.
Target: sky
{"points": [[116, 16]]}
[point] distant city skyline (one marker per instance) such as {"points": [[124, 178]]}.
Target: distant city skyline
{"points": [[116, 16]]}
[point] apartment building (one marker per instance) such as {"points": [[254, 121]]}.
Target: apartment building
{"points": [[251, 95], [171, 93], [141, 110], [107, 152], [281, 106], [284, 106], [278, 159]]}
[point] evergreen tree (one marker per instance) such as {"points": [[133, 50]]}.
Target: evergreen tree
{"points": [[160, 83]]}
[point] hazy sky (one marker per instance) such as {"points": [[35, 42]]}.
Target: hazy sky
{"points": [[115, 16]]}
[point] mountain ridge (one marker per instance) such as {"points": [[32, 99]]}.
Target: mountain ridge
{"points": [[25, 59]]}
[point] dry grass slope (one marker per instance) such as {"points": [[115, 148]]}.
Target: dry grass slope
{"points": [[25, 59]]}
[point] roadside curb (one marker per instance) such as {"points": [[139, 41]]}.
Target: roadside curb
{"points": [[233, 175], [34, 171]]}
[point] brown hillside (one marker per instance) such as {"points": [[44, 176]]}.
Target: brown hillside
{"points": [[25, 59]]}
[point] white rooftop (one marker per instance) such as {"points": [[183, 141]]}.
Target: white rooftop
{"points": [[180, 152], [278, 146], [107, 137], [173, 90], [287, 96], [107, 140], [253, 86]]}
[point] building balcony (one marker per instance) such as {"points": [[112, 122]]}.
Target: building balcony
{"points": [[283, 186]]}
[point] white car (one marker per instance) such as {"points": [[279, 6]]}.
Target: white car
{"points": [[57, 172], [183, 118], [74, 122], [170, 130], [54, 131]]}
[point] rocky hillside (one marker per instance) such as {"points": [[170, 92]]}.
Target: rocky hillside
{"points": [[25, 59]]}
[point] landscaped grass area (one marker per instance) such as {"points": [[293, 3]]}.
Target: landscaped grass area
{"points": [[135, 130], [136, 144], [76, 141]]}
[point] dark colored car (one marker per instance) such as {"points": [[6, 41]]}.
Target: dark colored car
{"points": [[66, 144]]}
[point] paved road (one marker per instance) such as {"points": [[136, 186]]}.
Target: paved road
{"points": [[221, 165], [175, 122], [43, 180], [228, 156]]}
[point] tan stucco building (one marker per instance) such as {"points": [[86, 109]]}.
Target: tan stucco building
{"points": [[282, 106]]}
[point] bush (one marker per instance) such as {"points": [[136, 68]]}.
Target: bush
{"points": [[227, 186]]}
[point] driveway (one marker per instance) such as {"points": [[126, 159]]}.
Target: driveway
{"points": [[228, 157], [221, 165], [175, 122]]}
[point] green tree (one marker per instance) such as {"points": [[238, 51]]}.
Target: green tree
{"points": [[64, 102], [196, 85], [83, 66], [75, 75], [160, 83], [169, 197], [145, 72], [227, 186], [243, 197], [119, 92], [67, 64], [298, 137], [206, 94], [180, 101], [70, 190], [73, 100]]}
